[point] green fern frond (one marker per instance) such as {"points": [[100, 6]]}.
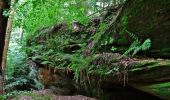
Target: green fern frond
{"points": [[136, 46]]}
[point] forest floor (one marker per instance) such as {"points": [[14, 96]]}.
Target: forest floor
{"points": [[48, 95]]}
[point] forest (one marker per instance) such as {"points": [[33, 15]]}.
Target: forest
{"points": [[84, 50]]}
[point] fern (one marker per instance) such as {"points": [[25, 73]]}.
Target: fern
{"points": [[19, 81], [136, 46], [146, 45]]}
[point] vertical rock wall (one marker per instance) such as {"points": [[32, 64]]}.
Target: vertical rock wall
{"points": [[147, 19]]}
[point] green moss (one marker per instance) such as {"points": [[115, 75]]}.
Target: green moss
{"points": [[161, 85], [142, 64], [122, 40], [161, 89], [147, 21], [150, 68]]}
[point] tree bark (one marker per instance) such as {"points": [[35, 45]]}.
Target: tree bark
{"points": [[6, 43], [3, 24]]}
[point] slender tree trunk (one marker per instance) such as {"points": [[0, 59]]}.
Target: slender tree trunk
{"points": [[7, 38], [3, 24]]}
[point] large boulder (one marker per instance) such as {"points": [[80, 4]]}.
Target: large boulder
{"points": [[144, 74]]}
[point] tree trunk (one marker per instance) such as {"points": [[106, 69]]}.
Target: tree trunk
{"points": [[6, 43], [3, 24]]}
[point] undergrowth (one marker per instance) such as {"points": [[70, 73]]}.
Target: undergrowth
{"points": [[18, 94]]}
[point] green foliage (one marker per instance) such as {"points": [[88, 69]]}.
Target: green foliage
{"points": [[17, 94], [113, 49], [78, 64], [101, 29], [17, 72], [124, 23], [99, 38], [10, 95], [136, 46], [133, 36], [19, 81], [6, 12], [32, 15], [15, 57]]}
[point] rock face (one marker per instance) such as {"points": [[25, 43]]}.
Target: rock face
{"points": [[147, 19], [56, 80], [146, 74]]}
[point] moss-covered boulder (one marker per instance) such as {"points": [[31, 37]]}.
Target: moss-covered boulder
{"points": [[146, 19], [87, 55], [145, 74]]}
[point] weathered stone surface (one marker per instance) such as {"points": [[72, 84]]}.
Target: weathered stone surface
{"points": [[57, 80], [145, 74], [146, 19], [161, 90]]}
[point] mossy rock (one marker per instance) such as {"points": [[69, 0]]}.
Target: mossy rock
{"points": [[145, 74], [146, 19], [161, 90]]}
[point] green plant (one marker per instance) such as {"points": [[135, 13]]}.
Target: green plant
{"points": [[136, 46], [17, 94], [9, 95], [18, 73], [113, 49], [33, 15], [15, 64]]}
